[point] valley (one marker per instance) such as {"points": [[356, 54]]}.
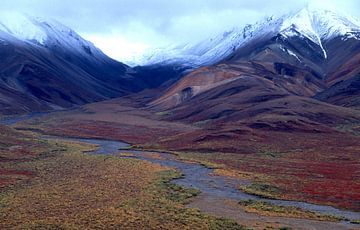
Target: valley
{"points": [[256, 128], [218, 186]]}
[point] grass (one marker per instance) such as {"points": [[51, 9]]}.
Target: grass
{"points": [[203, 161], [219, 169], [266, 208], [301, 175], [73, 190], [314, 167], [261, 190], [174, 192], [163, 204]]}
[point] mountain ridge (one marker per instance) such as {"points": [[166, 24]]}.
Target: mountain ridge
{"points": [[46, 65], [315, 24], [47, 33]]}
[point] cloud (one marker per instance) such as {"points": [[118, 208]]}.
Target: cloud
{"points": [[123, 28]]}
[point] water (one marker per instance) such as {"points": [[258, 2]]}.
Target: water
{"points": [[199, 177], [194, 175]]}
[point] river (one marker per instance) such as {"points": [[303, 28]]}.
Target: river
{"points": [[200, 177]]}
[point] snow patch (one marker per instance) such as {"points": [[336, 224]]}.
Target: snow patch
{"points": [[317, 25], [47, 33], [293, 54], [19, 26], [348, 36]]}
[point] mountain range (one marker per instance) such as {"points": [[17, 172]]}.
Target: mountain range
{"points": [[310, 57], [46, 65], [276, 102], [310, 54], [317, 26]]}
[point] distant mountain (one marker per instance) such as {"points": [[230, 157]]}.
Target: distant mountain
{"points": [[313, 53], [275, 75], [46, 65], [48, 33], [315, 25]]}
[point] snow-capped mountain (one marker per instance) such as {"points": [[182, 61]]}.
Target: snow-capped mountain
{"points": [[46, 65], [46, 33], [317, 25]]}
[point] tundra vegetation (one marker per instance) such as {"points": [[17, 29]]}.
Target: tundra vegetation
{"points": [[48, 184]]}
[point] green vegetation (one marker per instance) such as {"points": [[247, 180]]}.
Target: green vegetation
{"points": [[261, 190], [162, 203], [174, 192], [187, 156], [68, 189], [266, 208]]}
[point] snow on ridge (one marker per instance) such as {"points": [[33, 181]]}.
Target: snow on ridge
{"points": [[20, 27], [47, 33], [213, 49], [318, 25]]}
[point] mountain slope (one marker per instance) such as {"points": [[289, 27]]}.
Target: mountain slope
{"points": [[316, 26], [273, 83], [249, 94], [46, 65], [305, 54]]}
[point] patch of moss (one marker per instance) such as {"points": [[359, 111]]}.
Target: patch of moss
{"points": [[163, 203], [174, 192], [73, 190], [261, 190], [267, 208]]}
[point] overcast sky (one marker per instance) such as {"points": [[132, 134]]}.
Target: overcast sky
{"points": [[123, 28]]}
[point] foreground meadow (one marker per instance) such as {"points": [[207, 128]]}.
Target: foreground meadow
{"points": [[56, 185], [321, 167]]}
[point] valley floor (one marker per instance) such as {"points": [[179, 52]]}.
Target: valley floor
{"points": [[321, 168], [58, 186]]}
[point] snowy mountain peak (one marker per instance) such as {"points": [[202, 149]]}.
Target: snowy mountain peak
{"points": [[317, 25], [22, 27], [320, 24], [47, 33]]}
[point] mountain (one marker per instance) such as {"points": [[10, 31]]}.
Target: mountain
{"points": [[296, 73], [306, 54], [311, 53], [315, 25], [46, 65]]}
